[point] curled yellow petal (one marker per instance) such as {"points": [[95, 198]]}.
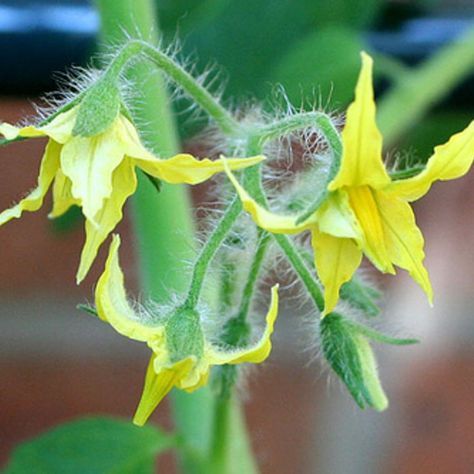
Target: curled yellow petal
{"points": [[157, 386], [34, 200], [451, 160], [184, 168], [257, 352], [336, 259], [10, 132], [361, 162], [275, 223], [62, 196], [89, 164], [404, 239], [112, 304], [124, 184]]}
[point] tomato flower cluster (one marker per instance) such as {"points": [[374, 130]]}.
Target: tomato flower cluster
{"points": [[91, 163]]}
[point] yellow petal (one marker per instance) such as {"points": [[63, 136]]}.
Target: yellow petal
{"points": [[336, 217], [361, 162], [362, 200], [34, 200], [62, 197], [336, 259], [256, 353], [158, 385], [132, 145], [60, 128], [275, 223], [11, 132], [112, 304], [124, 183], [196, 378], [404, 239], [89, 164], [185, 168], [449, 161]]}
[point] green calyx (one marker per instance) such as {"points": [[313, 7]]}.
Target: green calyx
{"points": [[184, 336], [99, 108]]}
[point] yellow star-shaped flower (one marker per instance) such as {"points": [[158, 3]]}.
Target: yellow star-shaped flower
{"points": [[366, 211], [182, 356], [98, 174]]}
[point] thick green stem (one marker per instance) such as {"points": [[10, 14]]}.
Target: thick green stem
{"points": [[163, 224]]}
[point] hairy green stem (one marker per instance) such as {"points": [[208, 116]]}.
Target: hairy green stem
{"points": [[254, 272], [255, 189], [209, 250], [301, 269], [135, 49], [319, 120]]}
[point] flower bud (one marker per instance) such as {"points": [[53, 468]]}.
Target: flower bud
{"points": [[351, 357]]}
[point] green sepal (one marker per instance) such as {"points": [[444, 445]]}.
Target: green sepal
{"points": [[361, 296], [350, 356], [380, 337], [87, 309], [155, 182], [98, 109], [184, 336]]}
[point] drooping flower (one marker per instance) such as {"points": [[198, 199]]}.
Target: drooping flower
{"points": [[367, 212], [98, 173], [182, 355]]}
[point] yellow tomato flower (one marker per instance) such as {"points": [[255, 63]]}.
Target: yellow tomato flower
{"points": [[367, 212], [182, 357], [98, 174]]}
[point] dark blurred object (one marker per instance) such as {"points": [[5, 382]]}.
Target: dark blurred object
{"points": [[39, 38], [416, 39], [310, 47]]}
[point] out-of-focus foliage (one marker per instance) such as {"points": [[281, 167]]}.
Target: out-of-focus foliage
{"points": [[94, 446], [254, 40], [310, 47]]}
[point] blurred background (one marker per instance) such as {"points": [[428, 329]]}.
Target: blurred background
{"points": [[58, 364]]}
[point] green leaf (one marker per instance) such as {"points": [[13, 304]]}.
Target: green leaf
{"points": [[98, 109], [325, 62], [92, 446]]}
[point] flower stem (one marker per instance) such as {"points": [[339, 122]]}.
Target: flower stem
{"points": [[200, 95], [319, 120], [249, 288], [209, 250]]}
